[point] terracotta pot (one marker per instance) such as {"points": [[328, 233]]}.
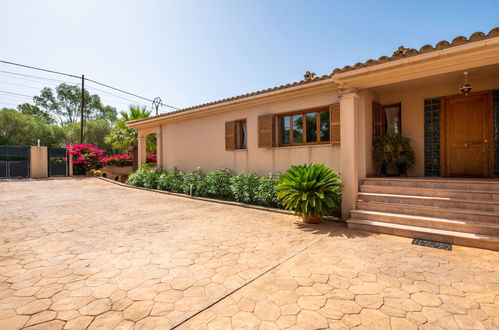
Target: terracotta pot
{"points": [[117, 170], [313, 219]]}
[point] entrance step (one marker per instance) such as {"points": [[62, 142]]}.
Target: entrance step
{"points": [[442, 202], [457, 184], [431, 211], [464, 226], [456, 211], [439, 235], [483, 195]]}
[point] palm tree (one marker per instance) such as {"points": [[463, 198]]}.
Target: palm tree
{"points": [[135, 113], [125, 138]]}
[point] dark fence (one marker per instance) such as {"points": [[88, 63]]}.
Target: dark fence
{"points": [[14, 162], [58, 162]]}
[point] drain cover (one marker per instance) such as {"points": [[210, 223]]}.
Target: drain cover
{"points": [[432, 244]]}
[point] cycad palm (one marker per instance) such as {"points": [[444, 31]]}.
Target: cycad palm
{"points": [[311, 190]]}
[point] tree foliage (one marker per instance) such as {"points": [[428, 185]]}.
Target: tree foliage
{"points": [[64, 105], [124, 138], [17, 128]]}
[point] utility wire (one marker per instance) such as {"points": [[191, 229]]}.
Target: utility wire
{"points": [[5, 92], [91, 80], [36, 77], [39, 69]]}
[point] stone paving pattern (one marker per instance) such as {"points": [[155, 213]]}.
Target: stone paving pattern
{"points": [[84, 253]]}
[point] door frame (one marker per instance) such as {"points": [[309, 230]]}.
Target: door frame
{"points": [[489, 116]]}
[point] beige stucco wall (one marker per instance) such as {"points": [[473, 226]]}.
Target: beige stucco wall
{"points": [[201, 141], [38, 162], [412, 97]]}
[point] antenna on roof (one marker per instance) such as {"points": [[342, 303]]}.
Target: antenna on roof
{"points": [[157, 103]]}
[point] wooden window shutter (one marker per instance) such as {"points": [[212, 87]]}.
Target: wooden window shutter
{"points": [[229, 136], [379, 121], [266, 138], [334, 121]]}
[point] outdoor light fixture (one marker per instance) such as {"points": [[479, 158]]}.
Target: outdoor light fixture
{"points": [[466, 87]]}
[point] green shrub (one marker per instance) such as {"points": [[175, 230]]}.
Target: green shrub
{"points": [[137, 178], [148, 165], [244, 187], [220, 184], [151, 177], [173, 181], [194, 178], [310, 190], [266, 192], [216, 185]]}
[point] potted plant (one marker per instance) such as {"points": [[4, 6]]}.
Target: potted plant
{"points": [[311, 191], [396, 150]]}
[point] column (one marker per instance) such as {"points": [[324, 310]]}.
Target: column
{"points": [[349, 150], [159, 149], [141, 152]]}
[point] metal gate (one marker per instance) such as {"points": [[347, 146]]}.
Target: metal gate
{"points": [[58, 162], [14, 162]]}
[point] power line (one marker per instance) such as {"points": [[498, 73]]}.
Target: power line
{"points": [[36, 77], [91, 80], [17, 94], [14, 84], [39, 69], [125, 92]]}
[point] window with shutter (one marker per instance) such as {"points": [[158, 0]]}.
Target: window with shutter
{"points": [[229, 136], [311, 126], [334, 112], [265, 131]]}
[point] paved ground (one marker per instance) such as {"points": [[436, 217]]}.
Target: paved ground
{"points": [[87, 253]]}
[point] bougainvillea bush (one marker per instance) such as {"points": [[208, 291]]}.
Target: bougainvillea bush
{"points": [[118, 160], [85, 157], [151, 157]]}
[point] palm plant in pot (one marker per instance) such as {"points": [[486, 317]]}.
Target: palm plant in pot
{"points": [[311, 191], [394, 149]]}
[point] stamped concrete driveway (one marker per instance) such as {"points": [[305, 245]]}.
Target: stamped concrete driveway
{"points": [[89, 254]]}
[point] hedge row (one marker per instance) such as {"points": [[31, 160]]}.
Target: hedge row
{"points": [[221, 184]]}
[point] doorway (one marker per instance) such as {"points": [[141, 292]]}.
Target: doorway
{"points": [[467, 135]]}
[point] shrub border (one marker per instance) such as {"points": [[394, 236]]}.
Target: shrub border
{"points": [[205, 199]]}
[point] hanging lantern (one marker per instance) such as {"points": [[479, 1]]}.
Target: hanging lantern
{"points": [[466, 87]]}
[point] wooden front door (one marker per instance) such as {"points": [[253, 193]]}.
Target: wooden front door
{"points": [[467, 148]]}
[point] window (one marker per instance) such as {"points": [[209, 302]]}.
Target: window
{"points": [[305, 127], [240, 134], [236, 135]]}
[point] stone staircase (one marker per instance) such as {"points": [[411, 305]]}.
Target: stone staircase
{"points": [[457, 211]]}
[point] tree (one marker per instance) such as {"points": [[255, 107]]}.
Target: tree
{"points": [[122, 137], [125, 138], [35, 112], [96, 132], [66, 103], [17, 128]]}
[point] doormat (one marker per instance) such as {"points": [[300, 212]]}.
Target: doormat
{"points": [[432, 244]]}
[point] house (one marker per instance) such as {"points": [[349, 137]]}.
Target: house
{"points": [[334, 119]]}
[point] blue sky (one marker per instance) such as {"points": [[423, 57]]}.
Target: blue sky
{"points": [[191, 52]]}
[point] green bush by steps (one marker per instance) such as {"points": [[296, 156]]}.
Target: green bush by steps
{"points": [[220, 184]]}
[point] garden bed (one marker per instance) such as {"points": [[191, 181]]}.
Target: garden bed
{"points": [[213, 200]]}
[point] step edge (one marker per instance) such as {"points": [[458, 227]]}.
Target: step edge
{"points": [[437, 189], [462, 211], [436, 198], [428, 219], [426, 230]]}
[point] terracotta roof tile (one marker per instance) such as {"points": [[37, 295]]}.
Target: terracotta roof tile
{"points": [[400, 53], [403, 52]]}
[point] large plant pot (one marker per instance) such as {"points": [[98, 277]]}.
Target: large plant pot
{"points": [[117, 170], [313, 219]]}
